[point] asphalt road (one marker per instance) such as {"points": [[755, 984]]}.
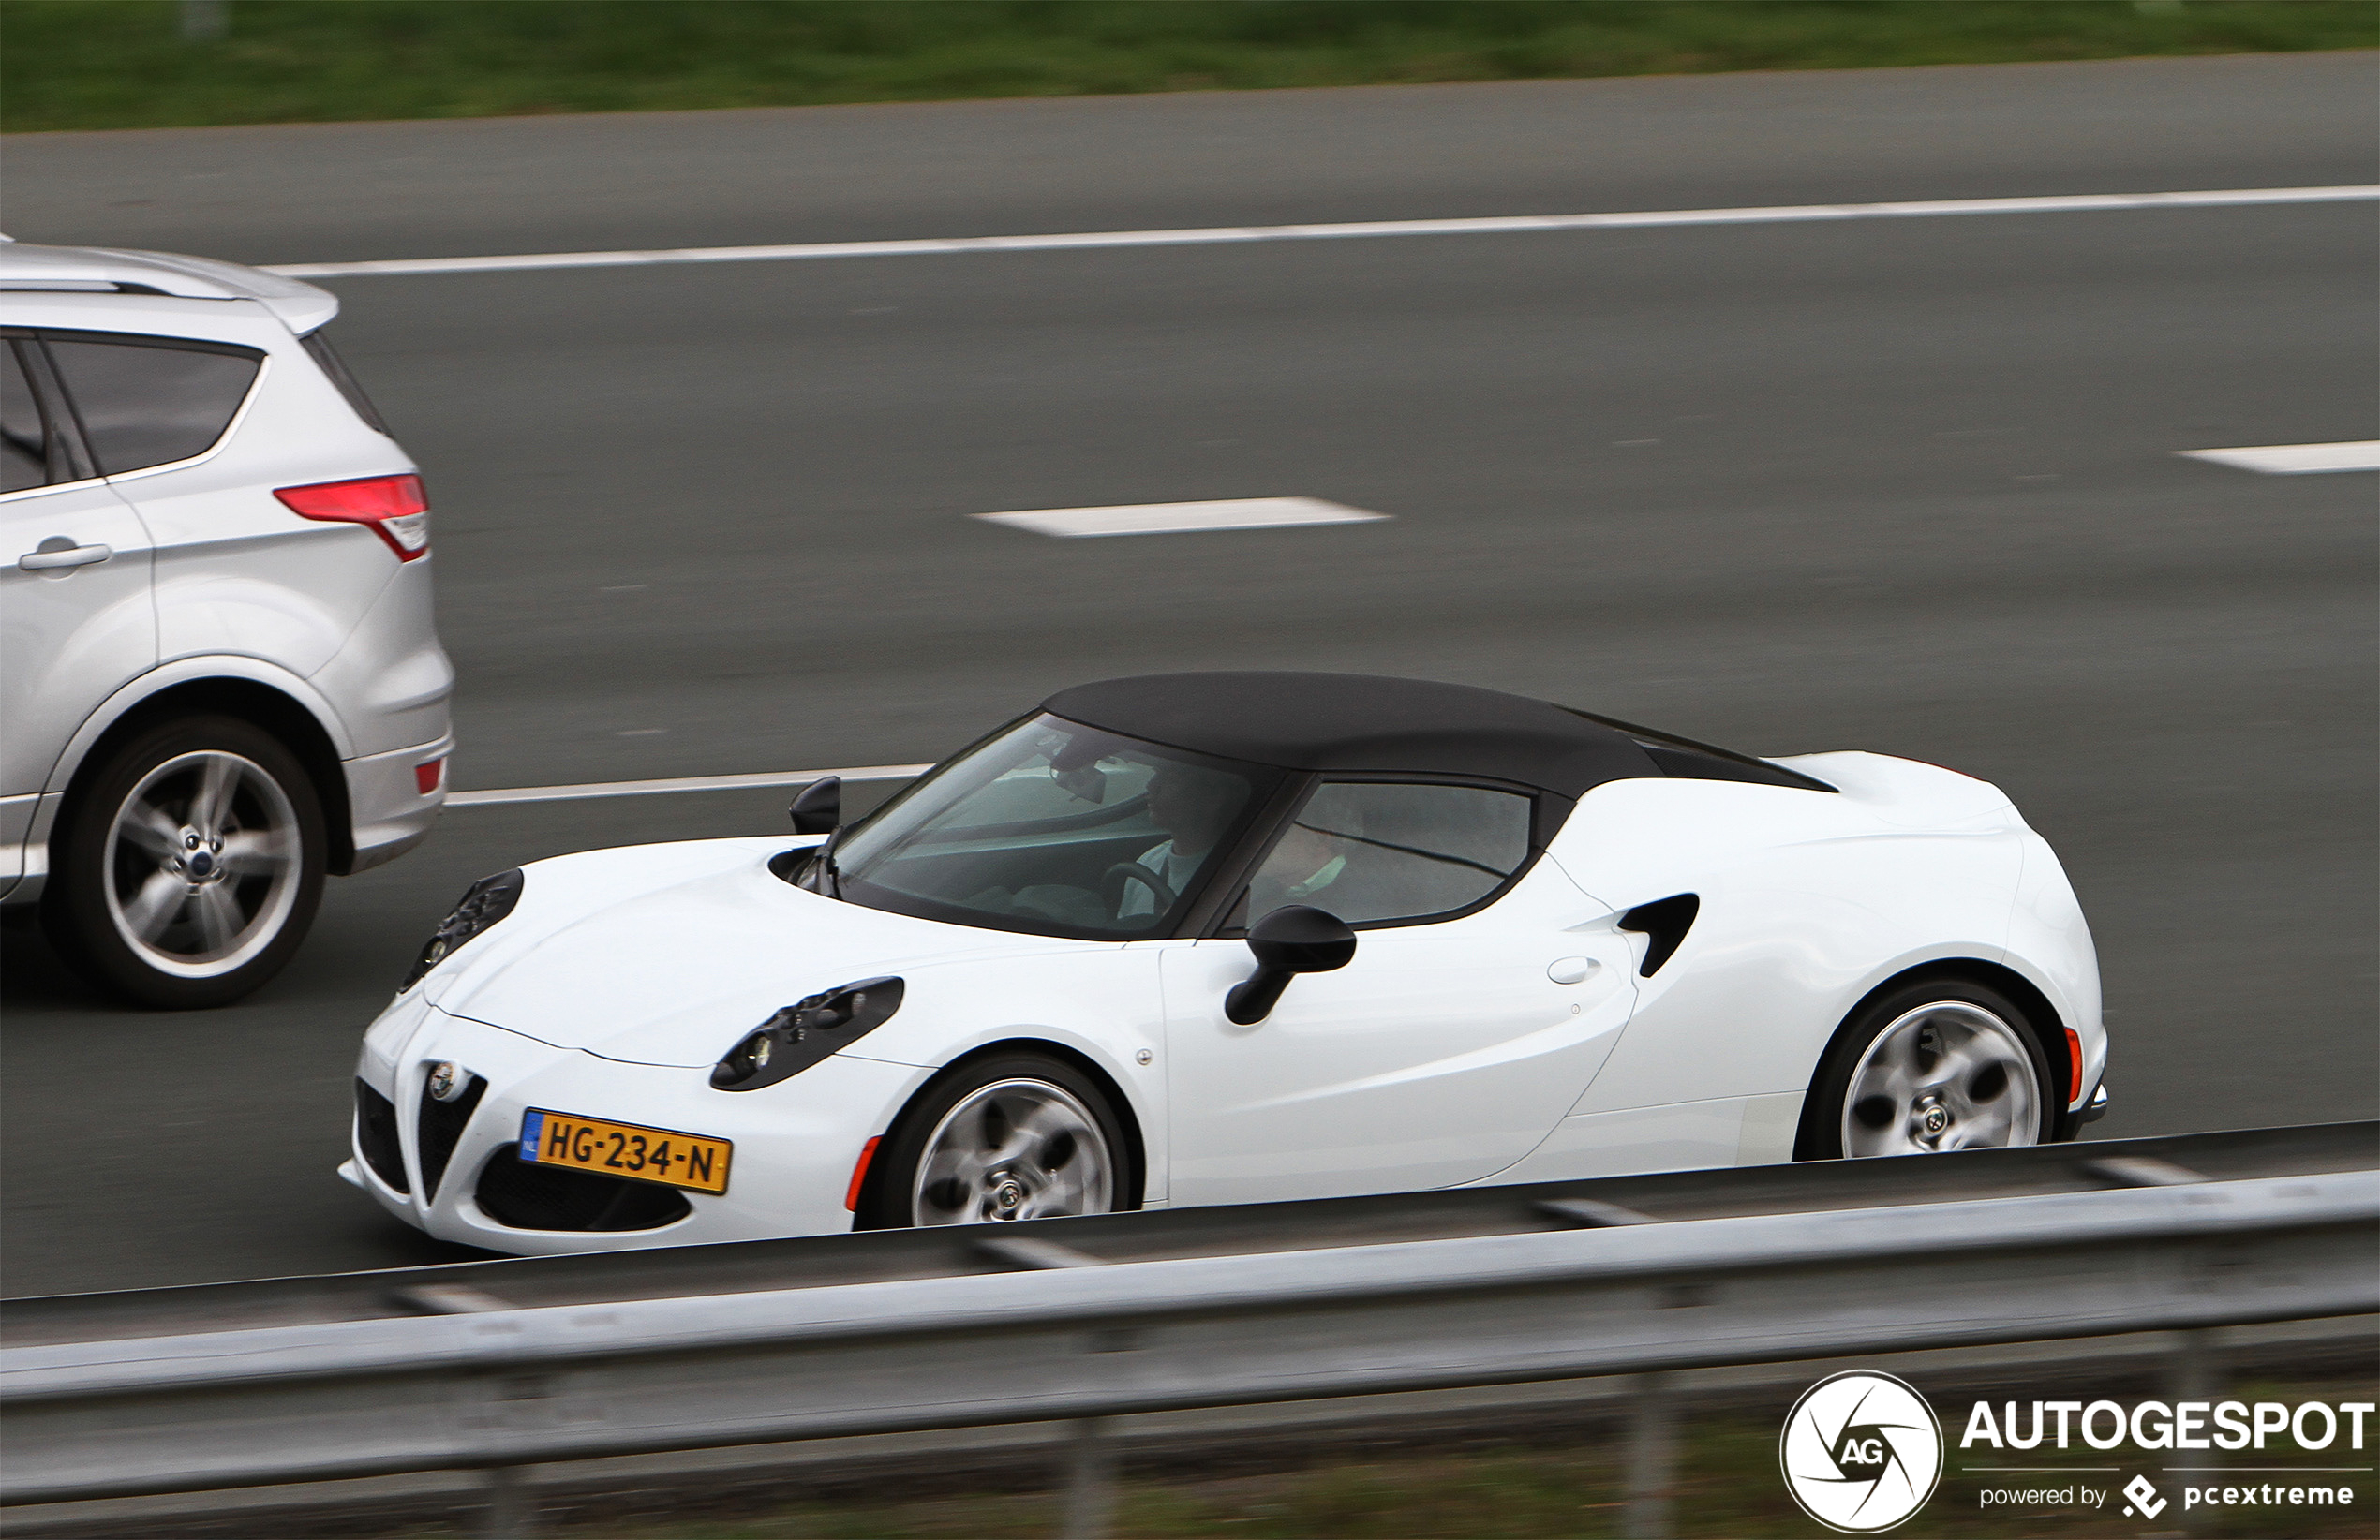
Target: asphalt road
{"points": [[1904, 486]]}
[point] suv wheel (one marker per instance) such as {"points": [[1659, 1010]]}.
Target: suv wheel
{"points": [[188, 870]]}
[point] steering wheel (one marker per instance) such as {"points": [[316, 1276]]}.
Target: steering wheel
{"points": [[1111, 886]]}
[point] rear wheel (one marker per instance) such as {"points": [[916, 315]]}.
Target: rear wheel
{"points": [[1937, 1065], [1013, 1136], [189, 868]]}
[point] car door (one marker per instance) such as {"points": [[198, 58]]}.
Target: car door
{"points": [[1470, 1019], [76, 618], [198, 434]]}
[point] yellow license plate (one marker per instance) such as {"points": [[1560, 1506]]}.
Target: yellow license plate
{"points": [[625, 1149]]}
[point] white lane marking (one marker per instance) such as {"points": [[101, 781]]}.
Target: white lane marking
{"points": [[2295, 459], [1181, 518], [683, 783], [1241, 235]]}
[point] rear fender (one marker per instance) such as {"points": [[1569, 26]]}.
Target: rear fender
{"points": [[247, 688]]}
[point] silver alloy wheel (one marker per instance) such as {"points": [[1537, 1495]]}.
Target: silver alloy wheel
{"points": [[202, 864], [1949, 1075], [1014, 1149]]}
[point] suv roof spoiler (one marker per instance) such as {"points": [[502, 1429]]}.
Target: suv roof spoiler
{"points": [[302, 306]]}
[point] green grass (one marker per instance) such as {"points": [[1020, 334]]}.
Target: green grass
{"points": [[121, 64], [1729, 1486]]}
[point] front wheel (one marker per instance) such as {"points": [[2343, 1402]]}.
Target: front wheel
{"points": [[1013, 1136], [1934, 1066], [189, 868]]}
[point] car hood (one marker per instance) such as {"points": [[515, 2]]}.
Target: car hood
{"points": [[667, 955]]}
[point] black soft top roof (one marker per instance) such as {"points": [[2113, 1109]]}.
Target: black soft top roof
{"points": [[1356, 722]]}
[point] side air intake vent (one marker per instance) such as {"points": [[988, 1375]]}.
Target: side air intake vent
{"points": [[375, 1136]]}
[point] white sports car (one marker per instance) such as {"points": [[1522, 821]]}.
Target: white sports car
{"points": [[1224, 938]]}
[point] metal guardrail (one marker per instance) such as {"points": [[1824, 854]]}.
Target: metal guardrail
{"points": [[499, 1388], [1235, 1230]]}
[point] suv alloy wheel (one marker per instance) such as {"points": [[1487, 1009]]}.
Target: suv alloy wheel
{"points": [[189, 866]]}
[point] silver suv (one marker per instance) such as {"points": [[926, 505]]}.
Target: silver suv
{"points": [[219, 679]]}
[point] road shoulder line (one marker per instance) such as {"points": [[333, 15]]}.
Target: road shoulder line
{"points": [[1243, 234], [681, 783]]}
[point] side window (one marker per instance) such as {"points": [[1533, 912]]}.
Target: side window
{"points": [[319, 348], [1370, 851], [24, 440], [147, 402]]}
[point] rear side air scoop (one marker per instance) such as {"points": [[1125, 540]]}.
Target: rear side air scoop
{"points": [[1663, 923]]}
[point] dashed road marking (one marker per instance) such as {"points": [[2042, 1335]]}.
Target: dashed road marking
{"points": [[1181, 518], [682, 783], [2296, 459]]}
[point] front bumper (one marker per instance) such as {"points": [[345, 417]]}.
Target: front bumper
{"points": [[795, 1142]]}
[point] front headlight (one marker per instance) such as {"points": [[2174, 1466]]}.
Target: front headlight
{"points": [[489, 901], [805, 1032]]}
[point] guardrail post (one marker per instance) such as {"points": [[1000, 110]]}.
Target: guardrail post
{"points": [[512, 1504], [1091, 1480], [1651, 1456], [2194, 1373]]}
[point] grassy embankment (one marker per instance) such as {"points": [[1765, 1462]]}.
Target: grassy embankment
{"points": [[1729, 1486], [120, 63]]}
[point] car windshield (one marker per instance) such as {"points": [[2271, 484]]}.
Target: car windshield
{"points": [[1054, 828]]}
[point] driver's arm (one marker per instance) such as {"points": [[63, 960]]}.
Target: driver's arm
{"points": [[1136, 898]]}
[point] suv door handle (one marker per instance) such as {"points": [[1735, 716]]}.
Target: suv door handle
{"points": [[69, 555]]}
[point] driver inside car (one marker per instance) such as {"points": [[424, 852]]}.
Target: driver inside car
{"points": [[1194, 807]]}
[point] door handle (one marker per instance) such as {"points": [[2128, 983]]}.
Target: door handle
{"points": [[1572, 970], [50, 556]]}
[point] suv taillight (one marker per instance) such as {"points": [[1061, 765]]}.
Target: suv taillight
{"points": [[395, 506]]}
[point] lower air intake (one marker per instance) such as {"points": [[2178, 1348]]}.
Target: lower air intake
{"points": [[376, 1136], [527, 1197]]}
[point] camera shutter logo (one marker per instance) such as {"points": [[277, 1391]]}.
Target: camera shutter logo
{"points": [[1861, 1452]]}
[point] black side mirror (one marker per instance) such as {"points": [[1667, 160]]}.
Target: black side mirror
{"points": [[1293, 940], [820, 806]]}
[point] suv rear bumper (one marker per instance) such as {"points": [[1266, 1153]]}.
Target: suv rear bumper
{"points": [[389, 812]]}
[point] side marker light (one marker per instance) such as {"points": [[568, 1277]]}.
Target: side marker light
{"points": [[859, 1173]]}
